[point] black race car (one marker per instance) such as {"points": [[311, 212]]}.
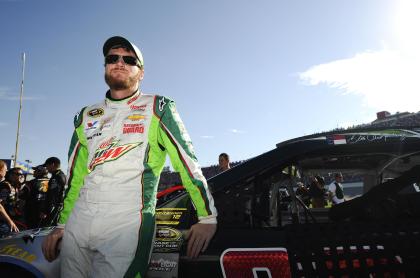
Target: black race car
{"points": [[267, 229]]}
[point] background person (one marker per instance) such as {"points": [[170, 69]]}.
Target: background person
{"points": [[3, 170], [116, 156], [55, 192], [335, 190], [6, 223], [36, 206], [224, 162], [10, 195], [317, 192]]}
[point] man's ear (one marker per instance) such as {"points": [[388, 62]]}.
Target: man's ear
{"points": [[141, 76]]}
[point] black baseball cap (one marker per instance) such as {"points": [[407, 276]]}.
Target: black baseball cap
{"points": [[120, 41], [51, 160], [39, 167]]}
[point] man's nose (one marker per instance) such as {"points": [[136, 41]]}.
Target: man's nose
{"points": [[120, 61]]}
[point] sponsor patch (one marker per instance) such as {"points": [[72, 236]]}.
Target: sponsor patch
{"points": [[162, 265], [133, 128], [93, 136], [97, 112], [107, 142], [138, 107], [162, 104], [110, 150], [136, 117], [132, 100], [106, 124], [78, 118], [91, 125]]}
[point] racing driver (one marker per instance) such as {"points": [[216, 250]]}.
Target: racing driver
{"points": [[116, 155]]}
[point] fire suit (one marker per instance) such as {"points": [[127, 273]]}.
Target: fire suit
{"points": [[116, 156]]}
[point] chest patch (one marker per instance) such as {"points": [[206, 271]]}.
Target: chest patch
{"points": [[111, 151]]}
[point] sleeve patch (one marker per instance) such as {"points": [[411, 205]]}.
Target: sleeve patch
{"points": [[78, 118]]}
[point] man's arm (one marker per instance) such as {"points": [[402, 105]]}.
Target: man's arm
{"points": [[77, 168], [78, 155], [175, 139], [9, 221], [331, 193]]}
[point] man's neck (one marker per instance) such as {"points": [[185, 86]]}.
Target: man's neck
{"points": [[121, 94]]}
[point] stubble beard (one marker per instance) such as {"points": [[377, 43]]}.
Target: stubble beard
{"points": [[118, 84]]}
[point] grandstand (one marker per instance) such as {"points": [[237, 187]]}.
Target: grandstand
{"points": [[168, 178], [406, 119]]}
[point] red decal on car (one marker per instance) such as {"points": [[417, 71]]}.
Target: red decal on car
{"points": [[248, 262]]}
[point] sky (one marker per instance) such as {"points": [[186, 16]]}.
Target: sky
{"points": [[245, 75]]}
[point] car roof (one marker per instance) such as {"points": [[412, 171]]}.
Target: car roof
{"points": [[377, 143]]}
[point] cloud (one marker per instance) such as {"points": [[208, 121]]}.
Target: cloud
{"points": [[236, 131], [3, 124], [386, 80], [24, 98], [6, 94], [207, 136]]}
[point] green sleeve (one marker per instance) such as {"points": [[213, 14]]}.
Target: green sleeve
{"points": [[173, 136], [78, 155]]}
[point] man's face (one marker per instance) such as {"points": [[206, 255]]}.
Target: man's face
{"points": [[50, 167], [3, 171], [223, 162], [17, 177], [121, 76], [339, 178]]}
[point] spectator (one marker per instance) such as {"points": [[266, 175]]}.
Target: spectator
{"points": [[55, 192], [335, 190], [302, 192], [317, 192], [3, 170], [10, 197], [224, 163], [35, 207], [6, 223]]}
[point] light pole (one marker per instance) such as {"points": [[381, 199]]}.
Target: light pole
{"points": [[20, 107]]}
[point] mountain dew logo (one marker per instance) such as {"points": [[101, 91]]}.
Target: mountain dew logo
{"points": [[110, 151]]}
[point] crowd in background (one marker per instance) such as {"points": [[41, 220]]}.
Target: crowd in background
{"points": [[168, 178], [316, 194], [30, 204]]}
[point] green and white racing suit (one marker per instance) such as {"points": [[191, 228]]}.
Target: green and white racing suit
{"points": [[116, 156]]}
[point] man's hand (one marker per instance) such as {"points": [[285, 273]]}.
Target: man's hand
{"points": [[13, 227], [199, 237], [49, 245]]}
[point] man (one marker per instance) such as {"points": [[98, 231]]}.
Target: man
{"points": [[6, 223], [317, 192], [224, 163], [335, 190], [10, 195], [55, 192], [3, 170], [117, 153], [36, 202]]}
